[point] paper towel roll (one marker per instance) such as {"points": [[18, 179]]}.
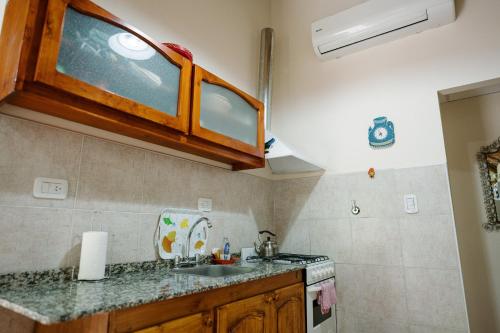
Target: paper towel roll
{"points": [[93, 255]]}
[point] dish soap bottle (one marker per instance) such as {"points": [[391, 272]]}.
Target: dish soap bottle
{"points": [[226, 254]]}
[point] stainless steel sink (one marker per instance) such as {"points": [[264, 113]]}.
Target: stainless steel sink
{"points": [[214, 270]]}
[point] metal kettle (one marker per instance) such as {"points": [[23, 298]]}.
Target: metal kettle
{"points": [[267, 248]]}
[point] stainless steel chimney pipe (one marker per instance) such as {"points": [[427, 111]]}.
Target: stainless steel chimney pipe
{"points": [[265, 72]]}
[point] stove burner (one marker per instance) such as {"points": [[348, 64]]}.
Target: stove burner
{"points": [[289, 258]]}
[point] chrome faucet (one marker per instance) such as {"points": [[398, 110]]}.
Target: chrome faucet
{"points": [[190, 233]]}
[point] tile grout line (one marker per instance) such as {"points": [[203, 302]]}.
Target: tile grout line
{"points": [[143, 180], [79, 172], [446, 269], [70, 241], [69, 259], [403, 271], [139, 222], [82, 209]]}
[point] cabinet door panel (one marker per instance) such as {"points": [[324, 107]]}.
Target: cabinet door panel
{"points": [[251, 323], [223, 114], [251, 315], [198, 323], [290, 308], [90, 53], [111, 58], [155, 329]]}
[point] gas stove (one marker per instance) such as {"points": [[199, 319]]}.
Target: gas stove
{"points": [[299, 259], [291, 258], [318, 270]]}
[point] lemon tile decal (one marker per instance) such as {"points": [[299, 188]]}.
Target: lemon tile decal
{"points": [[185, 224], [173, 228]]}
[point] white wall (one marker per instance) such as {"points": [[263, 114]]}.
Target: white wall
{"points": [[468, 125], [2, 9], [326, 108]]}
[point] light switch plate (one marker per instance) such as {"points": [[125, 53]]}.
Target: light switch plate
{"points": [[50, 188], [205, 204], [411, 205]]}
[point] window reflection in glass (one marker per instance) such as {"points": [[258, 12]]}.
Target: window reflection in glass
{"points": [[115, 60], [225, 112]]}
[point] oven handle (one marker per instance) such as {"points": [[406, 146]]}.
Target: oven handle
{"points": [[314, 289]]}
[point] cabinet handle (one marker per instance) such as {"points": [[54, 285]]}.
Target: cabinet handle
{"points": [[276, 297], [209, 322], [269, 299]]}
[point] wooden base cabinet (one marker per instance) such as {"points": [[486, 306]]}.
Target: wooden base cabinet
{"points": [[281, 311], [270, 305]]}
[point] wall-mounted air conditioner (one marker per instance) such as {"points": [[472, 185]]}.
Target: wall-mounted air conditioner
{"points": [[375, 22]]}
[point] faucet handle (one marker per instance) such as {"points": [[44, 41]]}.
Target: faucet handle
{"points": [[177, 260]]}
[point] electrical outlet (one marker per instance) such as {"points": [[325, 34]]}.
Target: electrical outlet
{"points": [[205, 204], [50, 188]]}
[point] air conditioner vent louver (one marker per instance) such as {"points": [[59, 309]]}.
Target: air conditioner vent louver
{"points": [[418, 21]]}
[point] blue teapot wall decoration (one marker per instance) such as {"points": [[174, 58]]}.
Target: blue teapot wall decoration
{"points": [[381, 134]]}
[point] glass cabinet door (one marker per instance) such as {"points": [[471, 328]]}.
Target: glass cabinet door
{"points": [[115, 60], [123, 65], [225, 112], [226, 115]]}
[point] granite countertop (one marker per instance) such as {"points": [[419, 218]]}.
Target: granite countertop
{"points": [[51, 296]]}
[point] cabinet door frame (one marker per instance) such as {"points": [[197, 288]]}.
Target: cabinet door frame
{"points": [[45, 71], [200, 75]]}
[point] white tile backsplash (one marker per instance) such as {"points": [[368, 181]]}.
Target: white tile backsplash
{"points": [[377, 251], [332, 237], [429, 184], [112, 187], [29, 150], [429, 241], [395, 272], [435, 298], [111, 176], [376, 241], [377, 292]]}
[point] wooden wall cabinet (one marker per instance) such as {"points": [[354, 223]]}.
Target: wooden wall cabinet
{"points": [[74, 60], [223, 114], [87, 52]]}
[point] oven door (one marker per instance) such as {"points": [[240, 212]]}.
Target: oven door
{"points": [[316, 321]]}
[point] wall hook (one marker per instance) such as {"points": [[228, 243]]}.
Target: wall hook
{"points": [[355, 209]]}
